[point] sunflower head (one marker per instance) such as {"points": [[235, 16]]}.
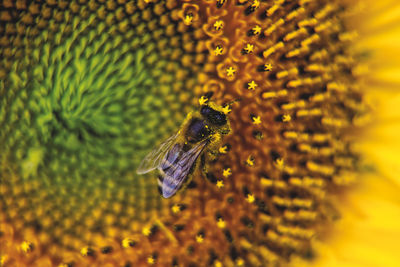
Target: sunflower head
{"points": [[88, 87]]}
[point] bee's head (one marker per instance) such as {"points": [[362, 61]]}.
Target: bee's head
{"points": [[213, 116]]}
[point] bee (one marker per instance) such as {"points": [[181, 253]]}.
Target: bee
{"points": [[175, 158]]}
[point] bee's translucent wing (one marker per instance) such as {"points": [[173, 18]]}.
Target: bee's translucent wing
{"points": [[156, 156], [176, 167]]}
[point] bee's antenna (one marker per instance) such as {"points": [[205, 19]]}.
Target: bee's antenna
{"points": [[227, 107], [209, 94]]}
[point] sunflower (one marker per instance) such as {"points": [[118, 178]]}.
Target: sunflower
{"points": [[308, 175]]}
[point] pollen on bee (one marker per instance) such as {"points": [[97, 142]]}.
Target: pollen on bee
{"points": [[203, 100], [223, 149], [226, 109]]}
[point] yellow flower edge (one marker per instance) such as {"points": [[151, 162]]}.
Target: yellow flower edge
{"points": [[368, 232]]}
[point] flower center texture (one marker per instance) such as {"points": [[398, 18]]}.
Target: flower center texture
{"points": [[88, 88]]}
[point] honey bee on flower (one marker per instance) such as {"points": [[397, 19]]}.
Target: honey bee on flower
{"points": [[176, 158]]}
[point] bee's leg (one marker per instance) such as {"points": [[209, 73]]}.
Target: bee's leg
{"points": [[208, 175], [212, 155], [214, 144]]}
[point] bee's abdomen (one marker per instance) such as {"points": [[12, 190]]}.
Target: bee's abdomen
{"points": [[168, 187]]}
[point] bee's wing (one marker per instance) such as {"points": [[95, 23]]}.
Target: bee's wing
{"points": [[176, 170], [154, 159]]}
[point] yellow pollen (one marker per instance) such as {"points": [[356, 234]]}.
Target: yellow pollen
{"points": [[218, 50], [188, 19], [220, 183], [199, 239], [250, 198], [223, 149], [3, 259], [146, 231], [230, 71], [175, 209], [221, 223], [280, 162], [250, 161], [255, 4], [239, 262], [151, 260], [252, 85], [286, 118], [203, 100], [256, 120], [218, 25], [226, 109], [249, 48], [268, 67], [26, 246], [127, 242], [227, 172], [256, 30], [220, 2], [218, 263], [86, 251]]}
